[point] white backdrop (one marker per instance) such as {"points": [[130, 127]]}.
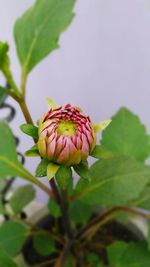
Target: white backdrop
{"points": [[103, 62]]}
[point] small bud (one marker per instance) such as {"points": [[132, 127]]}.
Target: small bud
{"points": [[66, 136]]}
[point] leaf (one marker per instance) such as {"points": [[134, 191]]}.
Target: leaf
{"points": [[115, 251], [94, 260], [30, 130], [136, 255], [9, 164], [52, 169], [80, 212], [44, 244], [41, 170], [32, 152], [54, 208], [12, 237], [5, 260], [115, 181], [83, 171], [64, 176], [2, 95], [101, 152], [21, 197], [148, 236], [41, 25], [126, 135], [143, 201]]}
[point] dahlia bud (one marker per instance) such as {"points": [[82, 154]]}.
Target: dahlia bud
{"points": [[66, 135]]}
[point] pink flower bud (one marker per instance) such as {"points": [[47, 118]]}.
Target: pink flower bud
{"points": [[66, 136]]}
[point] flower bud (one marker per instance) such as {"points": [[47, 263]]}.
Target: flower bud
{"points": [[66, 136]]}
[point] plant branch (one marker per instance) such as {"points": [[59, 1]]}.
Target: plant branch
{"points": [[103, 218]]}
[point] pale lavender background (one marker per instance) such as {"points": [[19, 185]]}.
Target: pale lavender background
{"points": [[103, 63]]}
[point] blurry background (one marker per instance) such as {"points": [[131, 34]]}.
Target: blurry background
{"points": [[103, 62]]}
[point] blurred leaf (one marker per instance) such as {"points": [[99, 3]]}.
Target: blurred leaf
{"points": [[64, 176], [9, 163], [5, 260], [94, 260], [41, 25], [41, 170], [30, 130], [101, 152], [21, 197], [115, 181], [143, 201], [54, 208], [12, 237], [80, 212], [135, 255], [115, 251], [44, 244], [83, 171], [126, 135]]}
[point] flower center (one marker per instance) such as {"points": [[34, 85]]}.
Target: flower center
{"points": [[67, 128]]}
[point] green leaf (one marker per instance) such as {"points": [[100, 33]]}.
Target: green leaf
{"points": [[21, 197], [9, 164], [83, 171], [143, 201], [101, 152], [115, 251], [32, 152], [54, 208], [136, 255], [12, 237], [115, 181], [5, 260], [94, 260], [126, 135], [80, 212], [30, 130], [41, 25], [64, 176], [52, 169], [2, 94], [44, 244], [41, 170]]}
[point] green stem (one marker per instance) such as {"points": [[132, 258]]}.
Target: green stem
{"points": [[11, 81], [23, 81], [25, 111]]}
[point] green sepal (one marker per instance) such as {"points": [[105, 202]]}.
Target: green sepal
{"points": [[52, 169], [30, 130], [41, 170], [83, 171], [51, 103], [101, 126], [100, 152], [64, 176], [32, 152]]}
